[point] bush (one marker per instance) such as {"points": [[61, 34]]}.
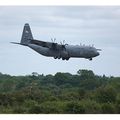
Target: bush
{"points": [[52, 107], [108, 108], [74, 108], [91, 107], [36, 109], [105, 95], [18, 110]]}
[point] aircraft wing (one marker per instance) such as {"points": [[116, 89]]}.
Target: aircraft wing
{"points": [[51, 45], [38, 42]]}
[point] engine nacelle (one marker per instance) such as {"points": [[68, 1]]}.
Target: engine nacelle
{"points": [[64, 54]]}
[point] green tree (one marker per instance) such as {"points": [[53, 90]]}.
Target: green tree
{"points": [[85, 74], [74, 108], [105, 95], [108, 108], [61, 78], [36, 109]]}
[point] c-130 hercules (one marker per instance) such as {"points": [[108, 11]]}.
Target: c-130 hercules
{"points": [[52, 49]]}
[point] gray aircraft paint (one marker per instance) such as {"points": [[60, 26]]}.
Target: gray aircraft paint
{"points": [[51, 49]]}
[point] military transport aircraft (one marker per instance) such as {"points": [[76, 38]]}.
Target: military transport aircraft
{"points": [[55, 50]]}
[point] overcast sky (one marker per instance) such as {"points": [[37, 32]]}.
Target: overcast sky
{"points": [[87, 25]]}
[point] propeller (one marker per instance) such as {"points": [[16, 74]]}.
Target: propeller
{"points": [[53, 40], [63, 42], [54, 45]]}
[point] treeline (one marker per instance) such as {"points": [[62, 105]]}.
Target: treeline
{"points": [[62, 93]]}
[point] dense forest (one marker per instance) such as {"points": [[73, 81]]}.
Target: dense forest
{"points": [[62, 93]]}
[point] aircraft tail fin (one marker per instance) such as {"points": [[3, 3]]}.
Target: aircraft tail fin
{"points": [[26, 35]]}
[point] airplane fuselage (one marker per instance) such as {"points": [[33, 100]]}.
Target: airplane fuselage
{"points": [[76, 51], [52, 49]]}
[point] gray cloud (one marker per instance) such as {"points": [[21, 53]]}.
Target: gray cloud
{"points": [[76, 24]]}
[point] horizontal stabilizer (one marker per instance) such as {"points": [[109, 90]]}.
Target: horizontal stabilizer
{"points": [[15, 43], [18, 43]]}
